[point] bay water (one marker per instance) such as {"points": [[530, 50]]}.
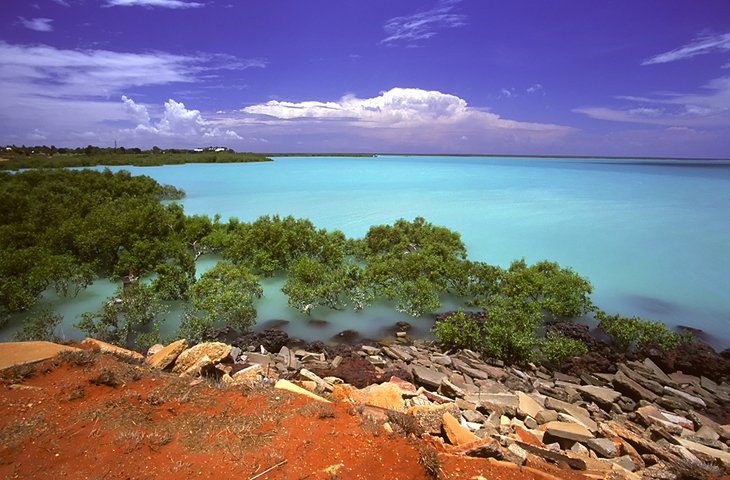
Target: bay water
{"points": [[651, 235]]}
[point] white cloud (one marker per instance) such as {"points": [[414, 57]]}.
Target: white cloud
{"points": [[37, 24], [66, 91], [153, 3], [138, 113], [403, 118], [710, 107], [63, 3], [699, 46], [423, 25], [176, 121], [534, 89], [507, 92]]}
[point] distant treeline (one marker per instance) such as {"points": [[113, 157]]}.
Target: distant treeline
{"points": [[13, 157], [310, 154]]}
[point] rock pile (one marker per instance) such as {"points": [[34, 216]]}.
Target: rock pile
{"points": [[639, 422]]}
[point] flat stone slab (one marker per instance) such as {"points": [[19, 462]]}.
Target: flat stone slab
{"points": [[290, 387], [427, 377], [455, 432], [19, 353], [601, 395], [527, 405], [120, 352], [568, 431]]}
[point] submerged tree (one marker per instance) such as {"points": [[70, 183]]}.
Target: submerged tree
{"points": [[413, 263], [225, 294], [130, 318]]}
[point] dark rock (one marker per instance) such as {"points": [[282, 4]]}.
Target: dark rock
{"points": [[574, 463], [359, 372], [272, 339], [696, 358], [402, 326], [317, 323], [487, 450], [276, 323], [588, 363], [348, 336], [225, 334], [427, 377]]}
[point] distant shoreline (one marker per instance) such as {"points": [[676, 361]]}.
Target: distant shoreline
{"points": [[492, 155]]}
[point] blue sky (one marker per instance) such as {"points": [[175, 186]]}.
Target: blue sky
{"points": [[583, 77]]}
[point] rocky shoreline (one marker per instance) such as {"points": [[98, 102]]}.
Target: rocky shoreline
{"points": [[638, 421]]}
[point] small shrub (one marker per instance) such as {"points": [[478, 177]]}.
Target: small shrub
{"points": [[459, 331], [510, 327], [76, 358], [18, 373], [106, 377], [556, 347], [634, 332], [39, 326], [76, 393]]}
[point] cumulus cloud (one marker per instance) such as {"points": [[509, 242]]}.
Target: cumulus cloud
{"points": [[423, 25], [398, 107], [710, 107], [400, 119], [176, 121], [37, 24], [699, 46], [138, 113], [153, 3], [65, 91]]}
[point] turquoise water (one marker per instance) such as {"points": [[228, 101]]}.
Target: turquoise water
{"points": [[652, 236]]}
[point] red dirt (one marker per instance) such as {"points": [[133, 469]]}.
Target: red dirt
{"points": [[91, 416]]}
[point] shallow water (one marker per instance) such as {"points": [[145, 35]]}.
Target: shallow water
{"points": [[650, 235]]}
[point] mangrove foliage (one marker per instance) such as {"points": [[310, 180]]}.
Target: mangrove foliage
{"points": [[62, 229]]}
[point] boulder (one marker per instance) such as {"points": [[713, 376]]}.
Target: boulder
{"points": [[290, 387], [19, 353], [248, 375], [154, 349], [197, 367], [215, 351], [430, 416], [386, 395], [166, 356], [527, 406], [321, 384], [120, 352], [456, 433], [631, 388], [576, 463], [568, 431], [579, 414], [516, 454], [713, 454], [604, 397], [696, 401], [427, 377], [604, 447]]}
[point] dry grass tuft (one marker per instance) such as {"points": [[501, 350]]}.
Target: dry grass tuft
{"points": [[404, 423], [430, 463], [18, 373]]}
